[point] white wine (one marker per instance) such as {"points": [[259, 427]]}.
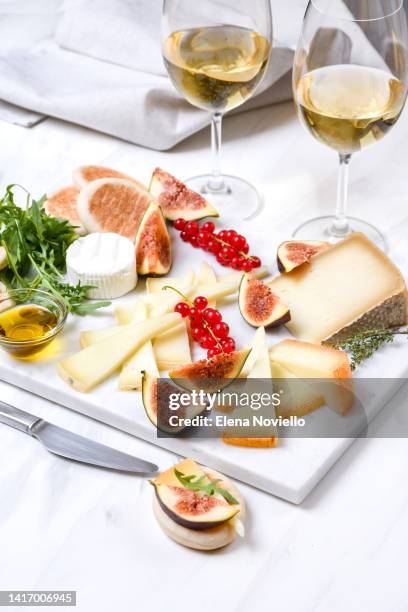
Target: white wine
{"points": [[216, 68], [349, 107]]}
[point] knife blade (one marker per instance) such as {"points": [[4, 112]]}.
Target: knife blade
{"points": [[70, 445]]}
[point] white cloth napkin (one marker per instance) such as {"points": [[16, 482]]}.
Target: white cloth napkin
{"points": [[102, 68]]}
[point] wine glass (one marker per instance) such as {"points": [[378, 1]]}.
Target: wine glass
{"points": [[350, 86], [216, 53]]}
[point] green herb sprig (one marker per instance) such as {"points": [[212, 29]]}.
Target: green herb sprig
{"points": [[363, 345], [204, 485], [36, 245]]}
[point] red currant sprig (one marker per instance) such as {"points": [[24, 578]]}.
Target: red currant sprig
{"points": [[230, 248], [206, 325]]}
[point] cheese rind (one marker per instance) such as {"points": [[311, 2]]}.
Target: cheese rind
{"points": [[94, 364], [351, 287]]}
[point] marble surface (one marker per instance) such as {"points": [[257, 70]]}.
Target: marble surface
{"points": [[67, 526]]}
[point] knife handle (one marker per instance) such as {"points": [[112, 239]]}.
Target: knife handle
{"points": [[14, 417]]}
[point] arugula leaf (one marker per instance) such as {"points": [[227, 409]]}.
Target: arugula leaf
{"points": [[36, 246], [199, 484]]}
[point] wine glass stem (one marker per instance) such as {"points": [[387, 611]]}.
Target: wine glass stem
{"points": [[340, 227], [216, 182]]}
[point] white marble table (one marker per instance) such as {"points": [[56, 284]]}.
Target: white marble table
{"points": [[67, 526]]}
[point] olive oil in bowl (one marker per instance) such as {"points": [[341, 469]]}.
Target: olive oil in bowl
{"points": [[30, 322]]}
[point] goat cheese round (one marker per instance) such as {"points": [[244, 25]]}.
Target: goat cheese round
{"points": [[106, 261]]}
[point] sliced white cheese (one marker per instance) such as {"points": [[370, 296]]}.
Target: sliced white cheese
{"points": [[172, 349], [131, 375], [206, 277], [92, 365], [154, 285], [257, 348], [350, 287], [105, 261]]}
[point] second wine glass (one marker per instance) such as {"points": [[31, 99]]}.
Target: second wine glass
{"points": [[216, 54], [350, 86]]}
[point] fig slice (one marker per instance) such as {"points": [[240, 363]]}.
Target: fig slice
{"points": [[177, 200], [155, 390], [293, 253], [192, 509], [211, 375], [259, 306], [153, 246]]}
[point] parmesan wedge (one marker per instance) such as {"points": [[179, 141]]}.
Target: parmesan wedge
{"points": [[351, 287], [94, 364]]}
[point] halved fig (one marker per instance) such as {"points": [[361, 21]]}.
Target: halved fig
{"points": [[177, 200], [259, 306], [153, 246], [156, 395], [193, 509], [211, 375], [292, 254]]}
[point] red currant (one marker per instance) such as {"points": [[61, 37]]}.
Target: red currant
{"points": [[209, 227], [208, 342], [183, 309], [245, 248], [235, 263], [184, 236], [227, 253], [194, 241], [180, 224], [201, 302], [247, 266], [214, 247], [238, 242], [221, 260], [212, 316], [194, 314], [213, 352], [192, 228], [221, 330], [256, 262], [223, 235], [230, 236], [228, 345], [197, 332]]}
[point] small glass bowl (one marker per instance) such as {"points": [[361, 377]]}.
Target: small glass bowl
{"points": [[20, 297]]}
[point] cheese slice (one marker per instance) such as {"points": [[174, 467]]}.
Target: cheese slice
{"points": [[297, 398], [143, 360], [206, 277], [94, 364], [327, 365], [348, 288], [257, 347], [154, 285], [172, 349]]}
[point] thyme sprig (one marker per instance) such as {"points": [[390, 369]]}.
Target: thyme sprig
{"points": [[363, 345]]}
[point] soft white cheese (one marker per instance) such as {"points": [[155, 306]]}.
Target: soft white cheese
{"points": [[106, 261]]}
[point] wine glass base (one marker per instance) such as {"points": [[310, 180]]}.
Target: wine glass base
{"points": [[233, 197], [321, 228]]}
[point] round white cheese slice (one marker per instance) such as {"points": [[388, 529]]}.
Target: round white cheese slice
{"points": [[106, 261]]}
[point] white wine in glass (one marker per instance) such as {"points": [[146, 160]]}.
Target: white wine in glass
{"points": [[216, 54], [350, 86]]}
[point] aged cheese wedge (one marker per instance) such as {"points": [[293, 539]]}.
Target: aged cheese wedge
{"points": [[131, 375], [172, 349], [327, 365], [94, 364], [297, 398], [351, 287]]}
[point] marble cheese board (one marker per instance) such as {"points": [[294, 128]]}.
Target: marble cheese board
{"points": [[289, 471]]}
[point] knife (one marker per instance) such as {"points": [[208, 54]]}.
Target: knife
{"points": [[71, 446]]}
